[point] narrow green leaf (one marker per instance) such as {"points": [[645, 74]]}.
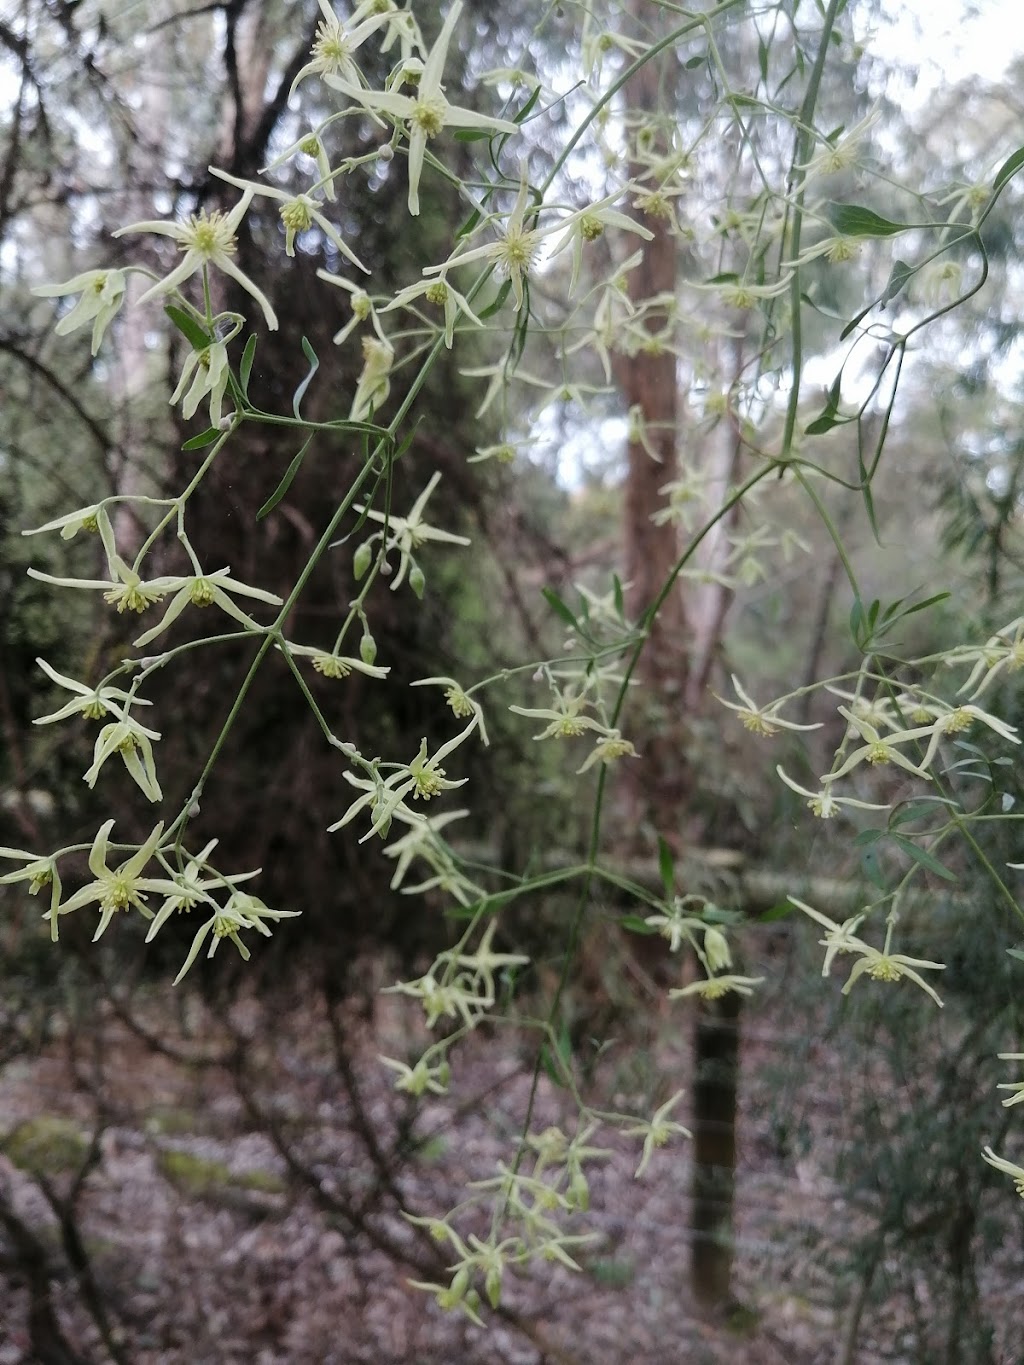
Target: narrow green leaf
{"points": [[188, 327], [900, 273], [762, 58], [497, 303], [558, 606], [928, 602], [314, 365], [777, 912], [470, 223], [286, 482], [620, 605], [857, 622], [636, 925], [1015, 952], [692, 63], [853, 220], [472, 135], [666, 866], [868, 836], [1008, 169], [922, 856], [855, 322], [205, 438], [245, 368], [558, 1061], [918, 809], [528, 107]]}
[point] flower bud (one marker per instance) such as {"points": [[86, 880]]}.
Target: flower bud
{"points": [[368, 648], [361, 559], [716, 950], [386, 153], [417, 581]]}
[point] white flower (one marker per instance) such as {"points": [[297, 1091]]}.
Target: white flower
{"points": [[102, 293], [428, 112], [38, 872], [374, 383], [298, 214], [333, 665], [241, 912], [422, 779], [362, 307], [824, 803], [122, 887], [656, 1131], [335, 44], [875, 749], [125, 589], [132, 741], [194, 888], [416, 1080], [442, 295], [760, 720], [409, 533], [714, 987], [1016, 1086], [1016, 1173], [839, 938], [69, 525], [842, 154], [209, 372], [91, 702], [206, 239], [462, 704], [207, 590]]}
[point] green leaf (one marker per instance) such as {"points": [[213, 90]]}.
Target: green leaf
{"points": [[923, 857], [188, 327], [852, 220], [777, 912], [620, 605], [636, 925], [472, 135], [497, 303], [286, 482], [900, 273], [314, 365], [918, 809], [1008, 169], [828, 417], [666, 866], [245, 368], [871, 866], [470, 223], [868, 836], [558, 606], [205, 438], [762, 58], [692, 63], [928, 602], [528, 107], [556, 1063], [1015, 952]]}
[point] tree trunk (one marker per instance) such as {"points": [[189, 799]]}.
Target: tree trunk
{"points": [[716, 1055]]}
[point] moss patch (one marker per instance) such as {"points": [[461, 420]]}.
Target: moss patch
{"points": [[46, 1145]]}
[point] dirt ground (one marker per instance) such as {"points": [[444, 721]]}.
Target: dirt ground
{"points": [[230, 1191]]}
